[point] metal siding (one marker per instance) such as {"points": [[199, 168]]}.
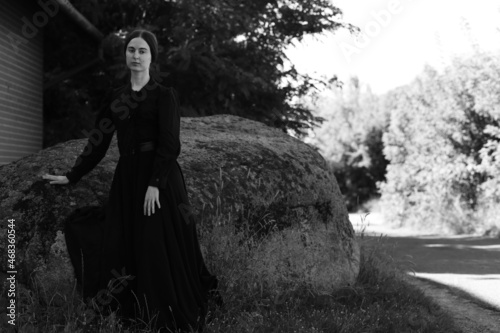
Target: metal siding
{"points": [[29, 111], [21, 82], [7, 137], [26, 126]]}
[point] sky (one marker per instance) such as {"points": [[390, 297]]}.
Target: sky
{"points": [[399, 38]]}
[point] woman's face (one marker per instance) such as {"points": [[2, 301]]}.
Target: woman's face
{"points": [[138, 55]]}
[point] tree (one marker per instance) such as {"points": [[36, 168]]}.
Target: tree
{"points": [[441, 143], [222, 56], [350, 139]]}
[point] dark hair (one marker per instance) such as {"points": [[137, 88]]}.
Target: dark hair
{"points": [[149, 37]]}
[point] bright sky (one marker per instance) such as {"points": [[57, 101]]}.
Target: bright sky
{"points": [[402, 35]]}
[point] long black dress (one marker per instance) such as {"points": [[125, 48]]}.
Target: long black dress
{"points": [[154, 263]]}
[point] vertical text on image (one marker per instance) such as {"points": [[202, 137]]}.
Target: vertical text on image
{"points": [[11, 278]]}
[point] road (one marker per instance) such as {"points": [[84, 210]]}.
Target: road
{"points": [[468, 263]]}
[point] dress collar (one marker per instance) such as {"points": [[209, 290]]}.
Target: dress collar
{"points": [[149, 85]]}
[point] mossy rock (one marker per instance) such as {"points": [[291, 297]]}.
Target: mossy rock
{"points": [[235, 170]]}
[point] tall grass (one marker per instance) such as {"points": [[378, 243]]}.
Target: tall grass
{"points": [[264, 292]]}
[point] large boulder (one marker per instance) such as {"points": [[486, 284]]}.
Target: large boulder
{"points": [[235, 170]]}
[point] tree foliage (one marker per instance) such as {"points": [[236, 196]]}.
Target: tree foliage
{"points": [[222, 56], [350, 139], [443, 145]]}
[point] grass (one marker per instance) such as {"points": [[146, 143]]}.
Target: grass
{"points": [[381, 300], [262, 294]]}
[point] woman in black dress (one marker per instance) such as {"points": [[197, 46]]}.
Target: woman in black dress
{"points": [[149, 251]]}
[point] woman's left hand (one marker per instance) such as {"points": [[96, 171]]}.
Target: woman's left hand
{"points": [[152, 197]]}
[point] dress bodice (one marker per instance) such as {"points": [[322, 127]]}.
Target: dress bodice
{"points": [[150, 114]]}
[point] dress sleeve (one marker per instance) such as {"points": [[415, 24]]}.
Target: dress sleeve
{"points": [[97, 144], [169, 146]]}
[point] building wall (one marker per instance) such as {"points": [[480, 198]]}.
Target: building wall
{"points": [[21, 78]]}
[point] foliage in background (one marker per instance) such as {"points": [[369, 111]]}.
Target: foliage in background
{"points": [[222, 57], [350, 139], [443, 146]]}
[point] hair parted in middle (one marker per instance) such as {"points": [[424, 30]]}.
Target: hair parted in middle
{"points": [[149, 37]]}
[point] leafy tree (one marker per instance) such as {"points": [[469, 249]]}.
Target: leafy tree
{"points": [[350, 139], [441, 144], [222, 56]]}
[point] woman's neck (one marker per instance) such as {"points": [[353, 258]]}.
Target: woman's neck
{"points": [[139, 79]]}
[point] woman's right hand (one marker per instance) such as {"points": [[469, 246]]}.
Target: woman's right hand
{"points": [[60, 180]]}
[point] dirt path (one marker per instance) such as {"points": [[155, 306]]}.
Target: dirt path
{"points": [[461, 273]]}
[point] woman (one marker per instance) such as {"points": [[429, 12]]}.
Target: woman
{"points": [[147, 240]]}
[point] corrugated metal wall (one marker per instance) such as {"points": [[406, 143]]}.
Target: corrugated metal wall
{"points": [[21, 78]]}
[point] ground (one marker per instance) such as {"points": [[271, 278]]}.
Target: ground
{"points": [[462, 273]]}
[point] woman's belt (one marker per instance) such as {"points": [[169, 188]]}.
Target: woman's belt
{"points": [[143, 147]]}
